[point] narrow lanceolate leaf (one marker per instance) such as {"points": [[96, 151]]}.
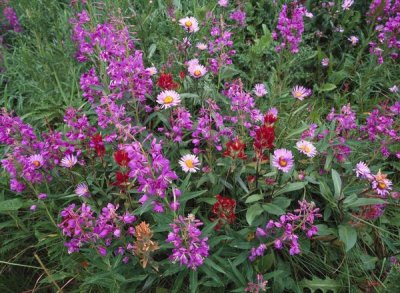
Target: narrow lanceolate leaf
{"points": [[291, 187], [337, 183], [348, 235]]}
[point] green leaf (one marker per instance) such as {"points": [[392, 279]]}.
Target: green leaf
{"points": [[10, 205], [337, 183], [254, 198], [363, 202], [252, 212], [291, 187], [327, 87], [266, 262], [193, 281], [320, 284], [348, 235], [273, 209]]}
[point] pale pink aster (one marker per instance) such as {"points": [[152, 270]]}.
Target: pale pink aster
{"points": [[189, 163], [36, 160], [152, 70], [347, 4], [190, 24], [300, 92], [325, 62], [394, 89], [201, 46], [192, 62], [362, 171], [381, 184], [353, 40], [223, 3], [283, 160], [307, 148], [197, 70], [260, 90], [82, 190], [69, 161], [168, 99]]}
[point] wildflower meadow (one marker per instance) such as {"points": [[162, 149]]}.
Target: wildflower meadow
{"points": [[200, 146]]}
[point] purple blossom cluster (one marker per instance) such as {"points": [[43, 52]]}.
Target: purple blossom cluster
{"points": [[239, 16], [290, 27], [383, 125], [180, 121], [151, 172], [219, 46], [11, 18], [80, 128], [243, 106], [387, 28], [82, 227], [190, 249], [30, 160], [284, 231], [210, 128]]}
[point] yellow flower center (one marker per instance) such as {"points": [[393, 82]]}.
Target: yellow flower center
{"points": [[306, 148], [168, 100], [36, 163], [188, 23], [282, 162], [197, 72], [381, 185], [189, 163], [298, 94]]}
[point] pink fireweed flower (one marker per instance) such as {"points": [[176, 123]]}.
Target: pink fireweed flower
{"points": [[353, 40], [381, 184], [82, 190], [300, 92], [201, 46], [197, 70], [152, 70], [307, 148], [347, 4], [190, 24], [69, 161], [168, 99], [282, 160], [189, 163], [325, 62], [362, 171], [260, 90], [36, 160]]}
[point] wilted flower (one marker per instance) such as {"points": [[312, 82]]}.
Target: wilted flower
{"points": [[306, 148], [69, 161], [168, 99], [190, 24], [283, 160], [189, 163], [144, 246], [381, 184], [300, 92], [260, 286]]}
